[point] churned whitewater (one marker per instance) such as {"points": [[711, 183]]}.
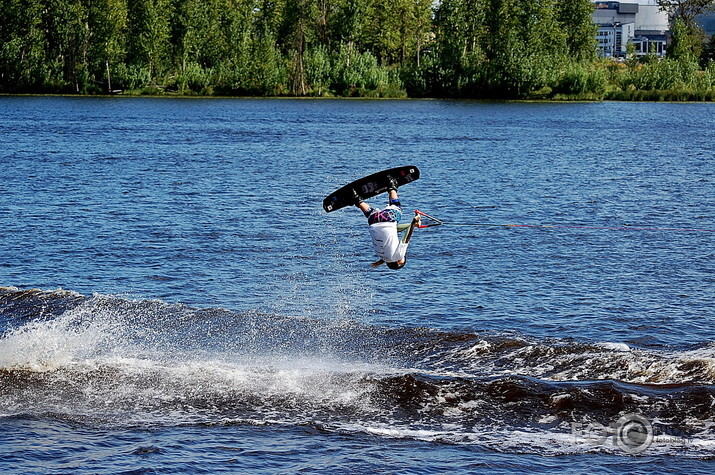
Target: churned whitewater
{"points": [[174, 299]]}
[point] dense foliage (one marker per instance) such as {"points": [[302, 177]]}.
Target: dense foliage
{"points": [[378, 48]]}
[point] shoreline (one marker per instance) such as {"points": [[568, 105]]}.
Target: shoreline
{"points": [[662, 97]]}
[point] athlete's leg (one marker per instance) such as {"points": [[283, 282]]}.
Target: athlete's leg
{"points": [[364, 207], [358, 202], [394, 199]]}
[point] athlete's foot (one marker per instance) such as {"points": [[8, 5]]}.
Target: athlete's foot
{"points": [[392, 183], [357, 199]]}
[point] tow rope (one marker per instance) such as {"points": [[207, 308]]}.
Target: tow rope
{"points": [[438, 222]]}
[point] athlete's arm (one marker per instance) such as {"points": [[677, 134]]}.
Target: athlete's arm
{"points": [[415, 222]]}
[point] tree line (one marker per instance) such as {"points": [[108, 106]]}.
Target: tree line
{"points": [[374, 48]]}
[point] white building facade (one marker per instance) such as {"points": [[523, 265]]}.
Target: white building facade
{"points": [[619, 23]]}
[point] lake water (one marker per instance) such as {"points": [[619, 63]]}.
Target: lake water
{"points": [[174, 298]]}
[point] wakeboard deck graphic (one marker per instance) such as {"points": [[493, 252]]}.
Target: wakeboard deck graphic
{"points": [[369, 186]]}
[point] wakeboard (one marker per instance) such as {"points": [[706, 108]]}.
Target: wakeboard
{"points": [[370, 186]]}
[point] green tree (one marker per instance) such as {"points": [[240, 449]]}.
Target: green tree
{"points": [[106, 25], [686, 43], [23, 59], [708, 55], [347, 23], [267, 73], [299, 27], [460, 35], [148, 44], [65, 42], [239, 26], [318, 70], [686, 10], [574, 17], [395, 30], [421, 27], [525, 46], [688, 36], [198, 33], [268, 17]]}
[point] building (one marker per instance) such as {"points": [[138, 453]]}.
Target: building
{"points": [[652, 29], [610, 38], [619, 23]]}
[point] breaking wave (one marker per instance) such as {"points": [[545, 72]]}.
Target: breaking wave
{"points": [[124, 362]]}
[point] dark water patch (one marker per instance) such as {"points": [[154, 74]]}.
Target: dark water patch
{"points": [[18, 305]]}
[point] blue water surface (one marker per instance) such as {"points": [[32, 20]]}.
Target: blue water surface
{"points": [[216, 204]]}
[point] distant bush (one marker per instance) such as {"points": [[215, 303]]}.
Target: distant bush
{"points": [[192, 79], [130, 77]]}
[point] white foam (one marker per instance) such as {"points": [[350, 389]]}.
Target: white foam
{"points": [[556, 398], [600, 361], [614, 346], [52, 344], [394, 432]]}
